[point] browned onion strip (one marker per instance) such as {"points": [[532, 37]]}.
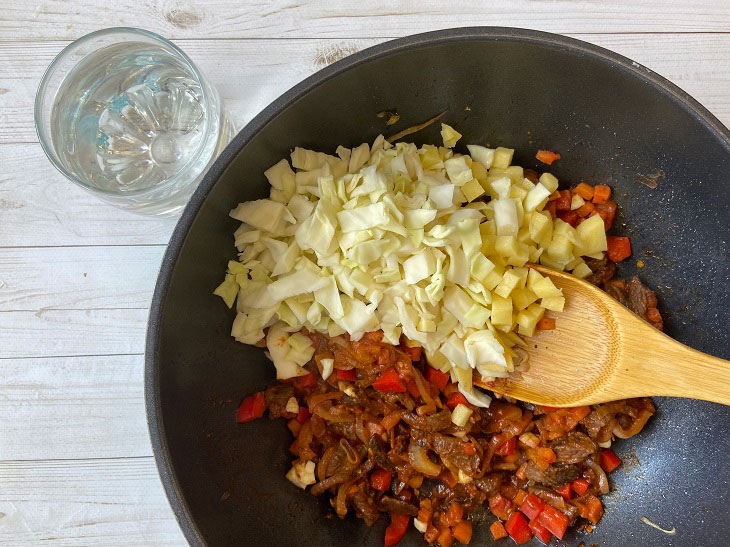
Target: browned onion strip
{"points": [[602, 478], [325, 414], [314, 400], [420, 461], [324, 462], [414, 128], [341, 500], [422, 389], [352, 456], [637, 425]]}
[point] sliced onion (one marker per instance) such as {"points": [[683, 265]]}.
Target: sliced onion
{"points": [[602, 478], [418, 458]]}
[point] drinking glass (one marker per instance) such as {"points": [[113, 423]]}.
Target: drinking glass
{"points": [[126, 115]]}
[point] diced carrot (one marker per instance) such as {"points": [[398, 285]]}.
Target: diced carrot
{"points": [[454, 399], [619, 248], [601, 193], [586, 209], [454, 514], [546, 156], [436, 377], [498, 531], [380, 480], [591, 509], [546, 323], [554, 196], [584, 190], [462, 532], [432, 534], [609, 460], [500, 506], [520, 497], [446, 537]]}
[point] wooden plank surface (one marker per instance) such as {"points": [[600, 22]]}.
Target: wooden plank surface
{"points": [[77, 278], [109, 502], [44, 19], [75, 465], [61, 333], [72, 408]]}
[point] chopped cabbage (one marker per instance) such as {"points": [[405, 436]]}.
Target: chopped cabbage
{"points": [[426, 243]]}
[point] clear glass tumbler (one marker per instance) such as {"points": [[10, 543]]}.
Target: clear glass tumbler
{"points": [[126, 115]]}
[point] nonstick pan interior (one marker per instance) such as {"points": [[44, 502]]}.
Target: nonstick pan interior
{"points": [[609, 118]]}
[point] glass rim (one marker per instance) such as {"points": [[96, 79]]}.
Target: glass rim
{"points": [[47, 144]]}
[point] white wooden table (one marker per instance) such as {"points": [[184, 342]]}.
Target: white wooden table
{"points": [[76, 276]]}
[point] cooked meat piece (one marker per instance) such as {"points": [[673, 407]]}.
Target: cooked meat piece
{"points": [[377, 453], [603, 270], [365, 507], [489, 484], [598, 426], [638, 296], [574, 447], [451, 449], [556, 475], [434, 422], [616, 292], [276, 398], [392, 505]]}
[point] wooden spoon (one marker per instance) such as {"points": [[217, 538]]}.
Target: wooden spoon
{"points": [[600, 351]]}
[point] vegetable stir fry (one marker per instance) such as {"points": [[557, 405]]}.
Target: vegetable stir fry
{"points": [[385, 282]]}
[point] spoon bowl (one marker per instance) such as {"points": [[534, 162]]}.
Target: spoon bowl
{"points": [[600, 351]]}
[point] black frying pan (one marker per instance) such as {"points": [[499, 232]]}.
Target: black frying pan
{"points": [[611, 120]]}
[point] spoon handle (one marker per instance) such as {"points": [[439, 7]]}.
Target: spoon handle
{"points": [[666, 367]]}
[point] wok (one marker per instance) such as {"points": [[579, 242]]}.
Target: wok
{"points": [[610, 118]]}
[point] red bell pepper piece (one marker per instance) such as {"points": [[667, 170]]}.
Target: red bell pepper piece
{"points": [[500, 506], [347, 375], [507, 448], [437, 378], [308, 380], [571, 217], [413, 352], [619, 248], [303, 415], [580, 486], [554, 520], [397, 529], [251, 408], [454, 399], [550, 208], [380, 480], [412, 388], [565, 491], [389, 381], [541, 533], [532, 506], [609, 460], [563, 201], [518, 528]]}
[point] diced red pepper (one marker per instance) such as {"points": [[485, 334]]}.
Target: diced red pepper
{"points": [[413, 352], [586, 209], [454, 399], [571, 217], [303, 415], [554, 520], [448, 478], [397, 529], [308, 380], [532, 506], [580, 486], [546, 156], [390, 382], [497, 529], [601, 193], [565, 491], [609, 460], [518, 528], [563, 202], [541, 533], [380, 480], [619, 248], [520, 497], [500, 506], [507, 448], [607, 211], [347, 375], [550, 208], [437, 378], [251, 408]]}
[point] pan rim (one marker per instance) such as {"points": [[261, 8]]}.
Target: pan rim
{"points": [[503, 34]]}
